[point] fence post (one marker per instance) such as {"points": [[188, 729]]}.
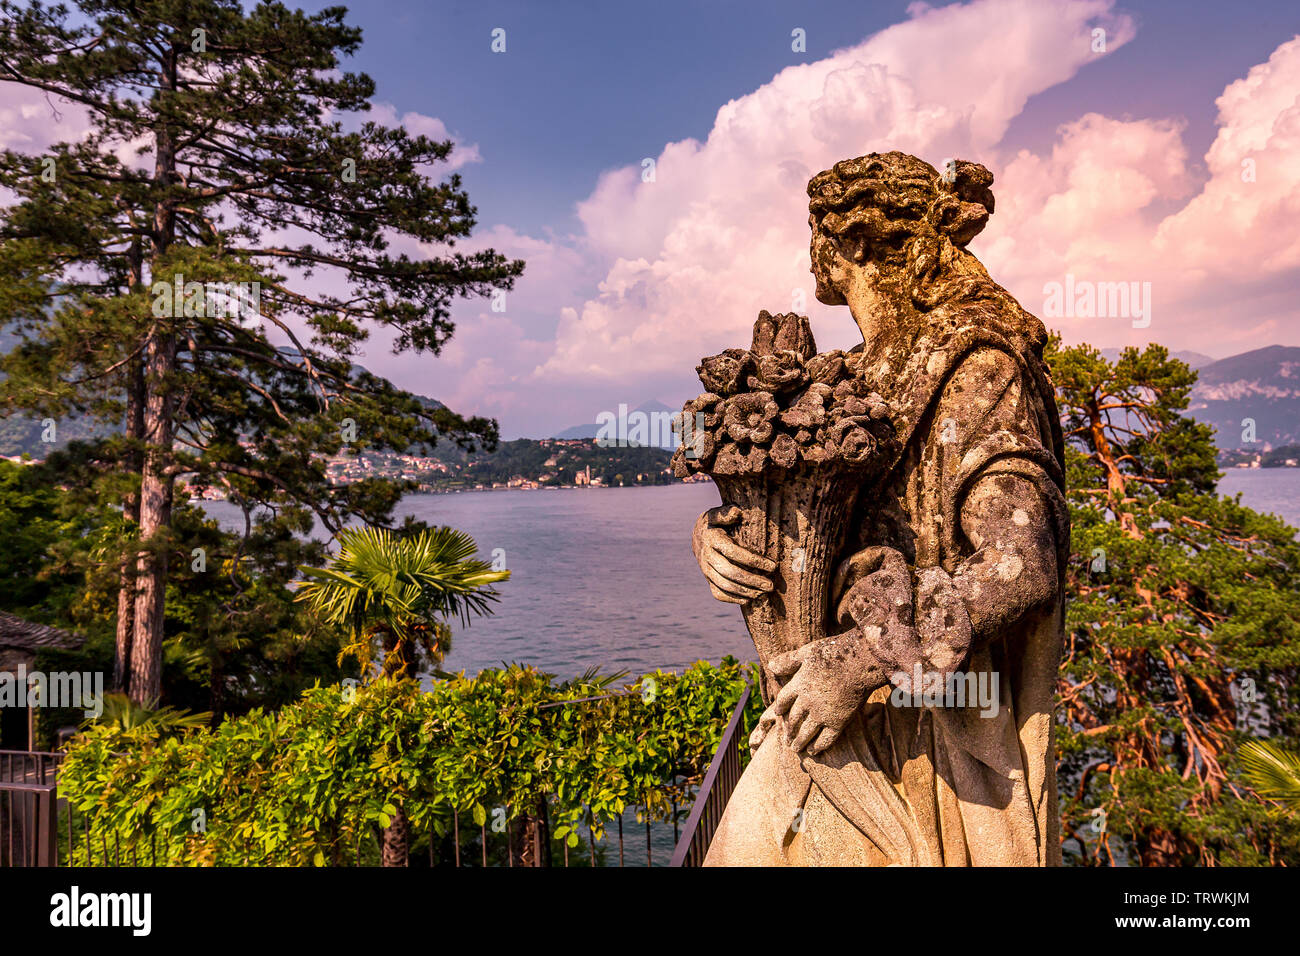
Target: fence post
{"points": [[47, 803]]}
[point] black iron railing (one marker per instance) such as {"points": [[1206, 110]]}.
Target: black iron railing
{"points": [[719, 784]]}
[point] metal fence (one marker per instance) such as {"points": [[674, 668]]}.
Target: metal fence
{"points": [[713, 795]]}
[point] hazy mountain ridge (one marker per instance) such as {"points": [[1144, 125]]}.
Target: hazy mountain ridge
{"points": [[1194, 360], [1262, 386], [650, 408]]}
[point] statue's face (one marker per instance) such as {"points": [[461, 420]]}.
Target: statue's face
{"points": [[829, 268]]}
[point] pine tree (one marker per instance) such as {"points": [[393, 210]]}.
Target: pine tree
{"points": [[1183, 628], [124, 277]]}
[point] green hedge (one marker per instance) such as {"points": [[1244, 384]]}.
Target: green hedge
{"points": [[307, 784]]}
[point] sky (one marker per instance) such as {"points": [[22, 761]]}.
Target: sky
{"points": [[1162, 153]]}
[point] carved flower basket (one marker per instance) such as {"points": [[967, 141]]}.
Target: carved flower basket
{"points": [[790, 436]]}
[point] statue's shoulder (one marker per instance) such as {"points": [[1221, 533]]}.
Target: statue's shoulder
{"points": [[984, 364]]}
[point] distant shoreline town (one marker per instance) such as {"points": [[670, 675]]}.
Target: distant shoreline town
{"points": [[521, 465], [529, 464]]}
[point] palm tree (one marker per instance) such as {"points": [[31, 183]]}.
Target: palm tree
{"points": [[1272, 772], [125, 715], [395, 594]]}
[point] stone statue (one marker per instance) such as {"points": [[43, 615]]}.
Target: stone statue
{"points": [[895, 530]]}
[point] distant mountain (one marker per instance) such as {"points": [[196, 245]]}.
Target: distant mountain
{"points": [[651, 408], [1263, 385], [1193, 360]]}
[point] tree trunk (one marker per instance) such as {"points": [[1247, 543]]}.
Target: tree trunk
{"points": [[155, 521], [1159, 848], [156, 479], [397, 841], [530, 838], [126, 596]]}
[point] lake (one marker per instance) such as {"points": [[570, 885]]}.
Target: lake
{"points": [[1274, 490], [598, 578]]}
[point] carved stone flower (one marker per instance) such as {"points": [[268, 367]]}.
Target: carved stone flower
{"points": [[809, 410], [725, 373], [705, 409], [779, 372], [697, 435], [749, 417], [827, 368], [731, 460], [786, 332], [850, 388], [784, 451], [853, 438]]}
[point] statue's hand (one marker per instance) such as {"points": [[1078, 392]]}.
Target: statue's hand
{"points": [[765, 723], [860, 566], [735, 574], [826, 683]]}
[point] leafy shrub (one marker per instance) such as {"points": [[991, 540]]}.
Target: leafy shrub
{"points": [[305, 785]]}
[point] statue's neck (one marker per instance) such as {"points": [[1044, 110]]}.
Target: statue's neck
{"points": [[879, 312]]}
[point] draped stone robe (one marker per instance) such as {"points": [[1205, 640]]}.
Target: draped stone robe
{"points": [[930, 786]]}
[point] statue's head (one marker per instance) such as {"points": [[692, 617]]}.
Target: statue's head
{"points": [[892, 215]]}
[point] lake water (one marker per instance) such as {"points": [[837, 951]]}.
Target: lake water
{"points": [[598, 577], [1273, 490]]}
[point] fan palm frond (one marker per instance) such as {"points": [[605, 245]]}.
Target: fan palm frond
{"points": [[382, 583], [1272, 771], [123, 713]]}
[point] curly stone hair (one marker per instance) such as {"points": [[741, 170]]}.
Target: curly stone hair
{"points": [[901, 213]]}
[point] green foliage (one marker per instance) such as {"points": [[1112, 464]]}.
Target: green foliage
{"points": [[124, 716], [1182, 628], [41, 527], [305, 785]]}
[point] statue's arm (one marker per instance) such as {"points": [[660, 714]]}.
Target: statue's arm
{"points": [[985, 436], [1013, 568], [934, 619]]}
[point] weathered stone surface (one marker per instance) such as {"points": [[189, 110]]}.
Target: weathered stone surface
{"points": [[895, 531]]}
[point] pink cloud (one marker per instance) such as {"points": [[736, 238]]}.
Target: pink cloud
{"points": [[1244, 220], [721, 231], [1220, 255]]}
